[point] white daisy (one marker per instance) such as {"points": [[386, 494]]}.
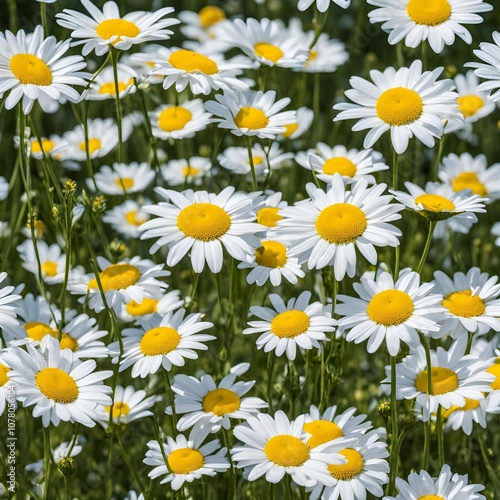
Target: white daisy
{"points": [[186, 171], [144, 62], [34, 69], [435, 21], [471, 301], [407, 101], [202, 223], [167, 303], [322, 5], [201, 25], [52, 260], [9, 300], [268, 207], [123, 178], [7, 389], [127, 217], [161, 341], [390, 311], [103, 87], [102, 29], [251, 113], [59, 385], [448, 486], [179, 121], [305, 117], [187, 459], [327, 228], [327, 55], [51, 146], [294, 324], [203, 402]]}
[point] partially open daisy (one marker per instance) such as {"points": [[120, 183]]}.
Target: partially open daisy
{"points": [[167, 303], [327, 228], [446, 486], [305, 117], [294, 324], [126, 218], [471, 301], [322, 5], [454, 377], [103, 29], [201, 25], [268, 207], [327, 55], [435, 21], [277, 446], [10, 301], [407, 101], [162, 341], [468, 172], [186, 171], [251, 113], [51, 147], [123, 178], [390, 311], [187, 459], [52, 260], [60, 386], [271, 261], [203, 402], [351, 164], [202, 223], [179, 121], [34, 69], [103, 87]]}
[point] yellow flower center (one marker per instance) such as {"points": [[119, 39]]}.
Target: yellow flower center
{"points": [[147, 306], [160, 340], [125, 183], [185, 460], [290, 129], [444, 380], [117, 277], [268, 51], [321, 432], [399, 106], [190, 61], [251, 118], [49, 268], [118, 410], [269, 216], [286, 451], [341, 223], [390, 308], [117, 27], [4, 378], [469, 105], [174, 118], [464, 304], [257, 160], [339, 165], [37, 331], [470, 404], [68, 342], [109, 88], [313, 55], [204, 221], [469, 180], [290, 324], [271, 254], [211, 15], [495, 370], [431, 497], [190, 171], [47, 146], [31, 70], [131, 218], [435, 203], [429, 12], [94, 145], [56, 384], [352, 468], [221, 401]]}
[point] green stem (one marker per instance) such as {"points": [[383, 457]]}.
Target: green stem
{"points": [[248, 142], [43, 15], [395, 174], [47, 461], [90, 171], [318, 26], [432, 227], [270, 368], [114, 59], [440, 436], [232, 473], [394, 457], [13, 15], [438, 157], [428, 362], [491, 472], [171, 396], [129, 464]]}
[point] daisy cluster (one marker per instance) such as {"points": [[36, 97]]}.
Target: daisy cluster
{"points": [[213, 286]]}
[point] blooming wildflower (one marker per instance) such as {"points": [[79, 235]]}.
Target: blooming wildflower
{"points": [[182, 171], [126, 218], [104, 87], [123, 178], [322, 5], [52, 260]]}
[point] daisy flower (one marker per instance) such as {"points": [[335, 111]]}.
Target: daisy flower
{"points": [[351, 164], [265, 41], [187, 459], [52, 260], [167, 303], [201, 25], [471, 301], [274, 446], [268, 209], [305, 117], [203, 402], [452, 487], [60, 386], [9, 300], [62, 456], [294, 324], [454, 375], [390, 311], [407, 101], [4, 188], [182, 171], [251, 113], [51, 146], [123, 178], [326, 229], [161, 341], [327, 55], [103, 87], [322, 5], [7, 390], [435, 21], [179, 121], [34, 69], [202, 223], [126, 218], [129, 404], [102, 29], [270, 261], [365, 470], [127, 280], [468, 172]]}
